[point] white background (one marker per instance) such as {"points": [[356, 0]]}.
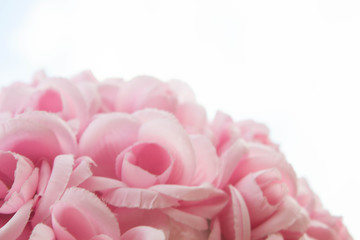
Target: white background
{"points": [[293, 65]]}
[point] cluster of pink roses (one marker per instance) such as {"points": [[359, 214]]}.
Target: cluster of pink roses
{"points": [[82, 159]]}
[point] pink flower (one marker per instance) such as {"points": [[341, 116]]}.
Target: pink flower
{"points": [[83, 159], [153, 165], [322, 225], [174, 97], [37, 135]]}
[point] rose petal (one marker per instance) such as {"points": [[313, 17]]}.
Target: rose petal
{"points": [[215, 233], [263, 157], [14, 227], [192, 116], [59, 179], [207, 161], [234, 220], [42, 232], [171, 136], [228, 162], [81, 172], [105, 137], [37, 135], [95, 183], [138, 198], [288, 213], [193, 221], [143, 233], [91, 208]]}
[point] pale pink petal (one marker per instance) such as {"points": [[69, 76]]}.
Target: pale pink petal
{"points": [[229, 160], [85, 205], [132, 217], [81, 172], [143, 233], [67, 219], [106, 137], [183, 91], [261, 157], [74, 104], [91, 96], [48, 100], [42, 232], [101, 237], [133, 92], [58, 181], [27, 138], [108, 91], [28, 189], [44, 176], [225, 131], [144, 164], [15, 97], [207, 161], [192, 116], [95, 183], [234, 220], [275, 236], [193, 221], [188, 193], [16, 168], [37, 135], [25, 180], [159, 97], [260, 205], [62, 131], [84, 76], [287, 214], [138, 198], [321, 231], [14, 227], [149, 114], [215, 233], [171, 136]]}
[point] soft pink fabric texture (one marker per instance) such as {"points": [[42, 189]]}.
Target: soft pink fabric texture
{"points": [[82, 159]]}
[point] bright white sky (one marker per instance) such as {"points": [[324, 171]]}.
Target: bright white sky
{"points": [[293, 65]]}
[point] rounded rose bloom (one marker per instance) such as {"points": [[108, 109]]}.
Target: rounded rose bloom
{"points": [[147, 163]]}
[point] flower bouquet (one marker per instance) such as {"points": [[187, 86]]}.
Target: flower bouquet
{"points": [[83, 159]]}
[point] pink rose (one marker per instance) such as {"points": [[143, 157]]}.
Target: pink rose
{"points": [[226, 132], [322, 224], [37, 135], [174, 96], [151, 167]]}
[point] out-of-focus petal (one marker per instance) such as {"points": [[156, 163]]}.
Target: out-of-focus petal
{"points": [[143, 233], [42, 232], [287, 214], [234, 220], [207, 161], [229, 160], [14, 227]]}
